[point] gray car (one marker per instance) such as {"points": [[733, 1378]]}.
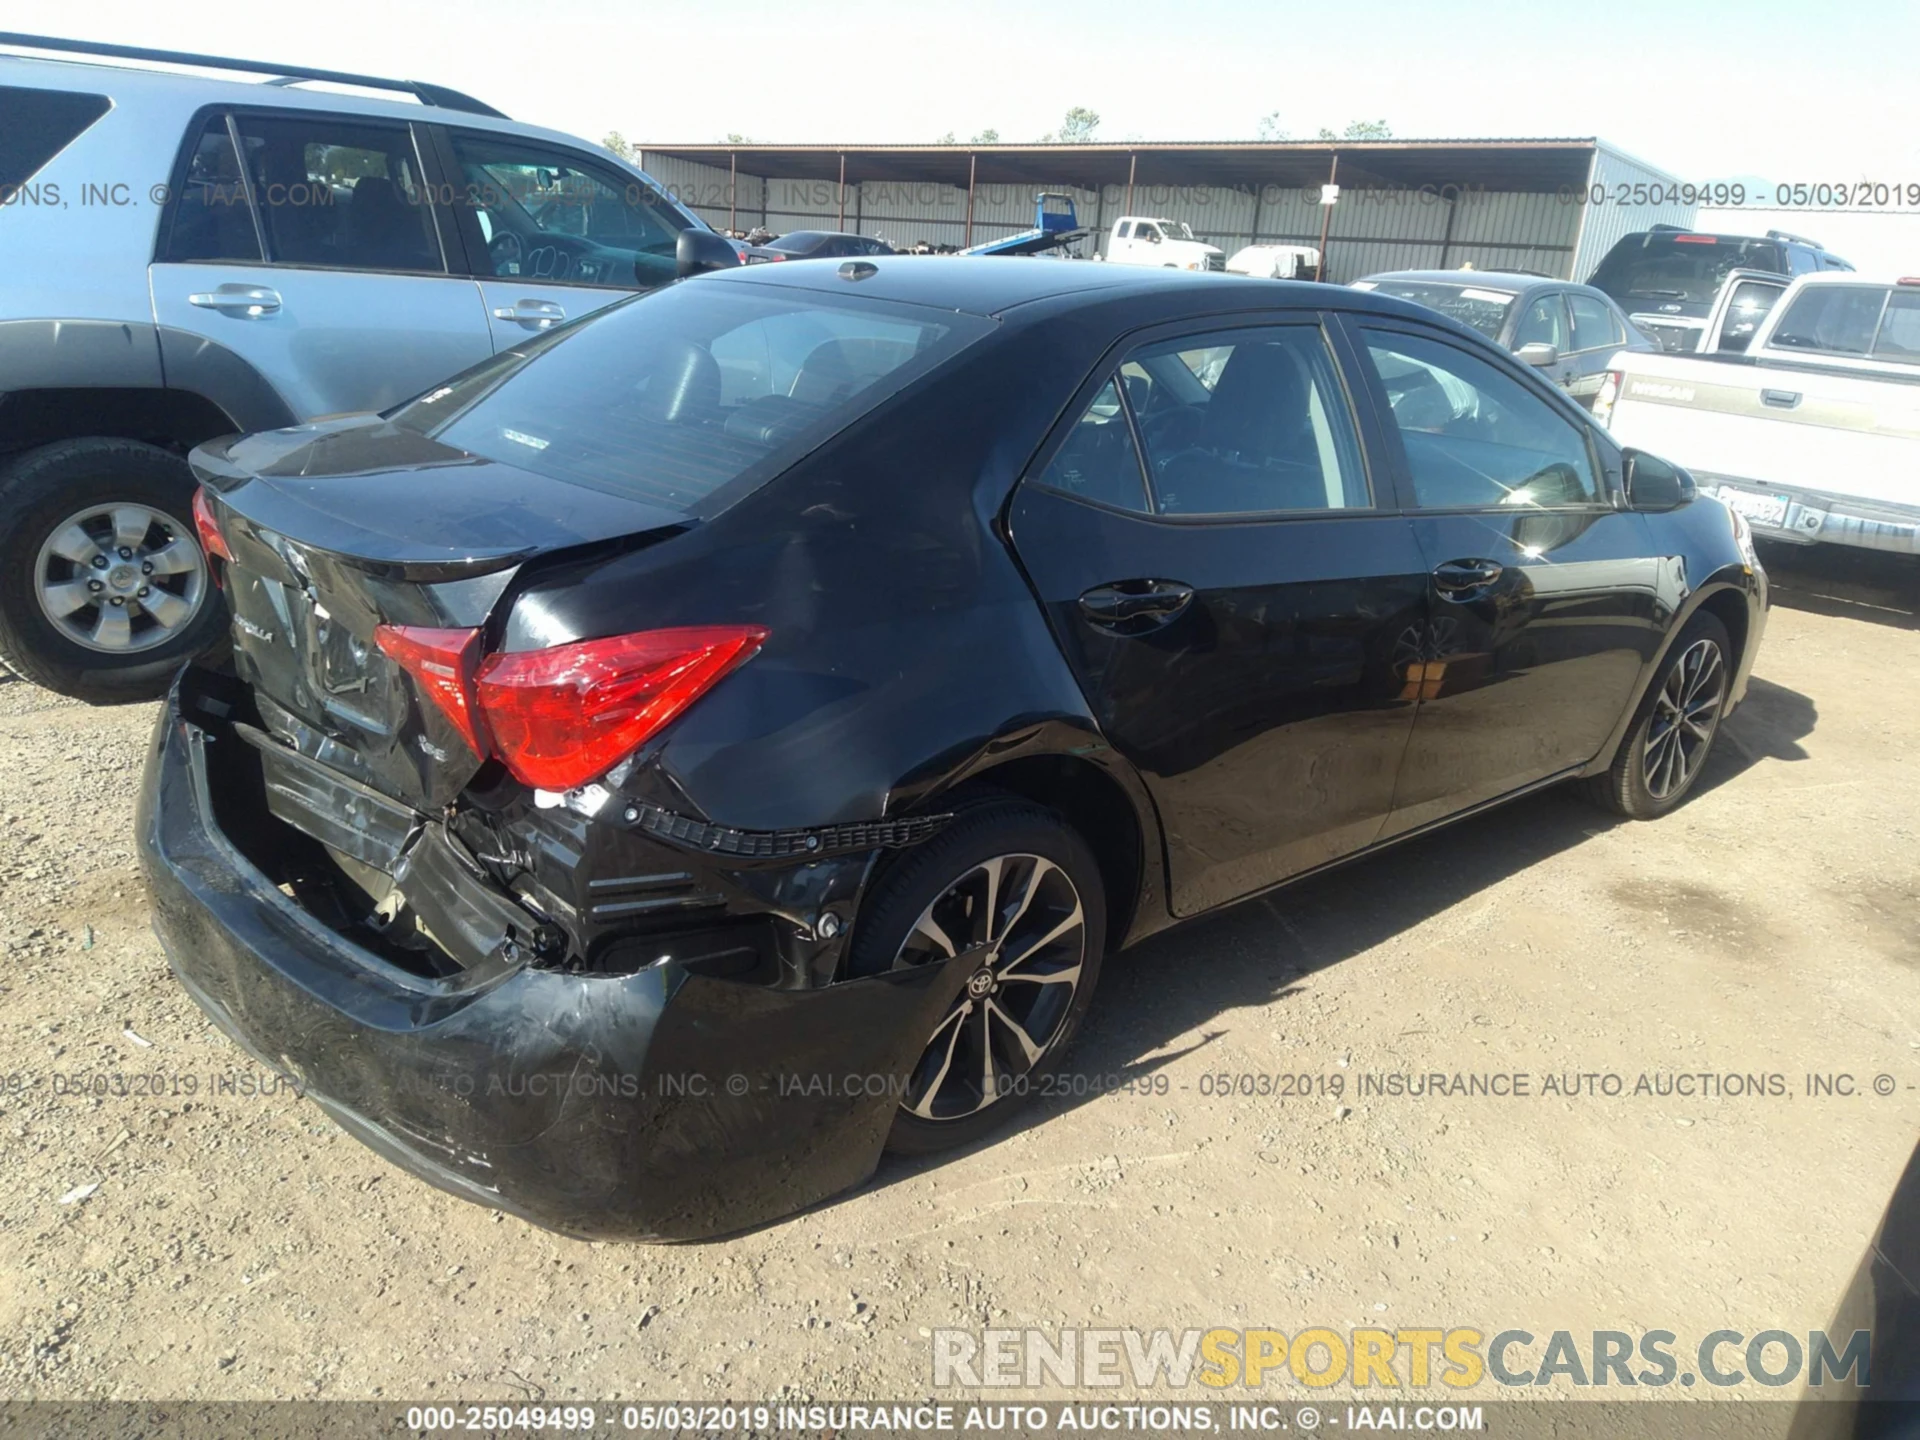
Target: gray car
{"points": [[1567, 331], [189, 256]]}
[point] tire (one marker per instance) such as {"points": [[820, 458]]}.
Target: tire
{"points": [[1044, 876], [53, 630], [1659, 761]]}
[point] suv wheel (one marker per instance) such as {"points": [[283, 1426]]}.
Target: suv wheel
{"points": [[104, 591]]}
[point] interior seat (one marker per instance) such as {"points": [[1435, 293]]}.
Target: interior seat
{"points": [[385, 230], [1256, 449]]}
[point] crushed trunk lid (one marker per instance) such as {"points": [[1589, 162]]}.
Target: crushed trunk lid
{"points": [[342, 526]]}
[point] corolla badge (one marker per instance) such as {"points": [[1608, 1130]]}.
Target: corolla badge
{"points": [[258, 632]]}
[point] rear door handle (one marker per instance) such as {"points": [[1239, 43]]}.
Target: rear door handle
{"points": [[1782, 399], [1464, 579], [534, 314], [243, 302], [1134, 606]]}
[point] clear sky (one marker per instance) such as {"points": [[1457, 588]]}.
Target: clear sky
{"points": [[1762, 88]]}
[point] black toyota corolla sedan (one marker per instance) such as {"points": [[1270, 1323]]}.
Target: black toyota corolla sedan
{"points": [[718, 740]]}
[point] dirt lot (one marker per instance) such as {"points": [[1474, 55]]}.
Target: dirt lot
{"points": [[239, 1246]]}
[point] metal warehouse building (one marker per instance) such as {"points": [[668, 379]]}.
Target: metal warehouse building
{"points": [[1551, 206]]}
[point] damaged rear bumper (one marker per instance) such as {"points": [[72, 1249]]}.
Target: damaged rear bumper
{"points": [[662, 1104]]}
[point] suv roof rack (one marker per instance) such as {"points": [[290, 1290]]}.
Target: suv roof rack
{"points": [[1789, 235], [1667, 227], [426, 94]]}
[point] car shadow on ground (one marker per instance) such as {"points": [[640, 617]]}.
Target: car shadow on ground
{"points": [[1845, 583], [1266, 948]]}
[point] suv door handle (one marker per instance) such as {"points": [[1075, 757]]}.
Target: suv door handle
{"points": [[534, 314], [243, 302], [1464, 579], [1784, 399], [1134, 606]]}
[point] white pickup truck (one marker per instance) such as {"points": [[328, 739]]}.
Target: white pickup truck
{"points": [[1152, 240], [1813, 434]]}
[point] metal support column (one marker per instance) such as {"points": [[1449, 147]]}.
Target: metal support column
{"points": [[973, 162], [1326, 216]]}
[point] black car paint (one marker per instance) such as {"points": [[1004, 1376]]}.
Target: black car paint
{"points": [[699, 913], [1881, 1399]]}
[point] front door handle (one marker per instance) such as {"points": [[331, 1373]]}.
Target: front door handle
{"points": [[1464, 579], [1134, 606], [1781, 399], [534, 314], [243, 302]]}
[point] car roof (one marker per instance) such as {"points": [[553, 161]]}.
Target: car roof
{"points": [[1855, 277], [990, 285], [1491, 279], [128, 84]]}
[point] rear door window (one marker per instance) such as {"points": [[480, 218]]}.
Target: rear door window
{"points": [[1099, 460], [339, 193], [1248, 422], [1594, 327], [40, 124], [1545, 323], [1899, 337]]}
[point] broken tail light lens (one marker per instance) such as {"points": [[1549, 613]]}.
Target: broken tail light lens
{"points": [[566, 715], [208, 528], [442, 663]]}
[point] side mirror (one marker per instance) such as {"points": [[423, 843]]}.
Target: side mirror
{"points": [[1654, 485], [698, 251], [1538, 353]]}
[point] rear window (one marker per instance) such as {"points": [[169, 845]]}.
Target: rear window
{"points": [[669, 396], [1834, 319], [1899, 337], [1472, 305], [39, 124], [1685, 268]]}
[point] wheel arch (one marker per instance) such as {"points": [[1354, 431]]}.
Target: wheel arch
{"points": [[175, 420], [1118, 826], [1728, 602]]}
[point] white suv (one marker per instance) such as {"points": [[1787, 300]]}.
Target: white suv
{"points": [[191, 256]]}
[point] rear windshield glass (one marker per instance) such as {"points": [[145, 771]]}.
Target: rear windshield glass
{"points": [[669, 396], [1839, 319], [1482, 310], [1688, 269], [38, 125]]}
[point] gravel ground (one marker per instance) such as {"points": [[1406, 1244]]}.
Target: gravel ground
{"points": [[238, 1246]]}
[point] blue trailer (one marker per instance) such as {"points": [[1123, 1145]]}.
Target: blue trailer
{"points": [[1054, 225]]}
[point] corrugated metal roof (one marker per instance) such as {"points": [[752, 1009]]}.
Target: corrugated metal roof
{"points": [[1522, 164]]}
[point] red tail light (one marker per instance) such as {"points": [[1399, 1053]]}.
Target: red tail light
{"points": [[1696, 239], [561, 717], [207, 528], [443, 662]]}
